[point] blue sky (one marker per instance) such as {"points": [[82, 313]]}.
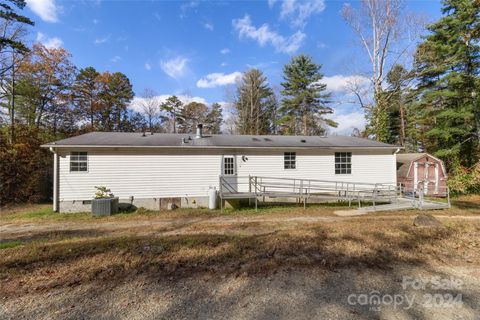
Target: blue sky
{"points": [[198, 49]]}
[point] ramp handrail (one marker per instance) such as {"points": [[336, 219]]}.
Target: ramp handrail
{"points": [[302, 189]]}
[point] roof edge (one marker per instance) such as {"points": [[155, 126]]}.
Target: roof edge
{"points": [[49, 145]]}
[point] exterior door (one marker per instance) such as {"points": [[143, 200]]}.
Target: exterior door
{"points": [[229, 173]]}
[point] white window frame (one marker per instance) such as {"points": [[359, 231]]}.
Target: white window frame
{"points": [[74, 158], [345, 159], [289, 158], [233, 168]]}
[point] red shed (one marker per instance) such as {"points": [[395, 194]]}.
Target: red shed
{"points": [[422, 171]]}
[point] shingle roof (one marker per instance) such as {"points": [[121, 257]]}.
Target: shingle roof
{"points": [[405, 159], [131, 139], [408, 157]]}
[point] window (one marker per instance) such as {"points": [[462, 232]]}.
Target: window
{"points": [[289, 160], [343, 162], [78, 162], [228, 166]]}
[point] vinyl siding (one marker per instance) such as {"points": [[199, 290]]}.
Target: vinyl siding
{"points": [[173, 173], [142, 174]]}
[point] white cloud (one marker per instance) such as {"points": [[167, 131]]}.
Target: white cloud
{"points": [[298, 11], [116, 59], [225, 51], [148, 66], [189, 5], [176, 67], [47, 10], [136, 104], [49, 43], [340, 83], [208, 26], [102, 40], [223, 64], [321, 45], [347, 122], [271, 3], [213, 80], [264, 35]]}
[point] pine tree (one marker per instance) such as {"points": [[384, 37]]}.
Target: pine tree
{"points": [[214, 119], [395, 98], [85, 94], [447, 65], [115, 96], [305, 98], [191, 114], [12, 20], [253, 104], [172, 107]]}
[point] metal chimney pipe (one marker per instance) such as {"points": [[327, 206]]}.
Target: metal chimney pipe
{"points": [[199, 134]]}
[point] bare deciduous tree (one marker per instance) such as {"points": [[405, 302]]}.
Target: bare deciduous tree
{"points": [[386, 33], [150, 105]]}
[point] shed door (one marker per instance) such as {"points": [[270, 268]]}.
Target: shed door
{"points": [[426, 175]]}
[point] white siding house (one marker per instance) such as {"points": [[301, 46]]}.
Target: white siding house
{"points": [[142, 170]]}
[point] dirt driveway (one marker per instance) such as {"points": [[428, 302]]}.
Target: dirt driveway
{"points": [[279, 265]]}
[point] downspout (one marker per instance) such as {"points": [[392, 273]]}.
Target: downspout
{"points": [[395, 165], [55, 179], [398, 188]]}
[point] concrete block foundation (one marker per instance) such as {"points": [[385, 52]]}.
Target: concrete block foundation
{"points": [[155, 204]]}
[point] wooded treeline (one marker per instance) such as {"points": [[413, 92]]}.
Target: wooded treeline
{"points": [[432, 103], [423, 99]]}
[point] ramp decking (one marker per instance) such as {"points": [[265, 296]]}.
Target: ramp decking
{"points": [[383, 196]]}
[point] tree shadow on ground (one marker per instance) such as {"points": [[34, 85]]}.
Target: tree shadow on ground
{"points": [[53, 235], [467, 205], [311, 272]]}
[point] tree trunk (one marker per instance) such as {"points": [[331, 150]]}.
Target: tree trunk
{"points": [[91, 114], [305, 124], [12, 105], [402, 126]]}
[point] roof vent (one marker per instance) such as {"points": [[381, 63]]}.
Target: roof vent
{"points": [[199, 134]]}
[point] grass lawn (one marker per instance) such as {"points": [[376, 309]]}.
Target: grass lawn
{"points": [[464, 205], [41, 251]]}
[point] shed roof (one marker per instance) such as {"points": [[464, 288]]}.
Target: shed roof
{"points": [[405, 160], [132, 139], [409, 157]]}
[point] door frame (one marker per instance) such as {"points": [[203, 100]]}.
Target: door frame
{"points": [[222, 169]]}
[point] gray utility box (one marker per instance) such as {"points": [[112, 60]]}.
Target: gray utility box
{"points": [[104, 207]]}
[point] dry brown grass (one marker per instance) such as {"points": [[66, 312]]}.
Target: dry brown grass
{"points": [[73, 259], [49, 253]]}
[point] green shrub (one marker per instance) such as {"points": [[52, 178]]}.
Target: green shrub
{"points": [[141, 210], [465, 180]]}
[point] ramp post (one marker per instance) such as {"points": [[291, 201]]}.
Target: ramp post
{"points": [[448, 198]]}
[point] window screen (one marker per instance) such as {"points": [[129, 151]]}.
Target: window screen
{"points": [[78, 162], [343, 162], [289, 160], [228, 166]]}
